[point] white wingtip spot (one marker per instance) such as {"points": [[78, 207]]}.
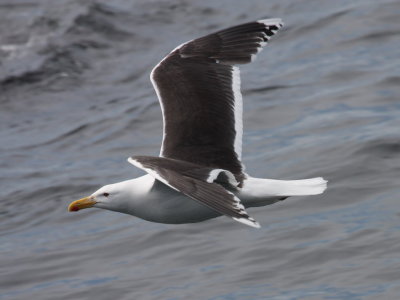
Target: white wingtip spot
{"points": [[268, 22], [248, 222]]}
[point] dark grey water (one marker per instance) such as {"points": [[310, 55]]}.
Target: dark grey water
{"points": [[322, 99]]}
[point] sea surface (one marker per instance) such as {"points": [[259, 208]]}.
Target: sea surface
{"points": [[322, 99]]}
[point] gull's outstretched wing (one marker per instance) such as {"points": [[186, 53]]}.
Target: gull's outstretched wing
{"points": [[197, 182], [198, 87]]}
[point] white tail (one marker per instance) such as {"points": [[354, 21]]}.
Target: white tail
{"points": [[258, 188]]}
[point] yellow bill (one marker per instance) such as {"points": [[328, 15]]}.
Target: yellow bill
{"points": [[81, 204]]}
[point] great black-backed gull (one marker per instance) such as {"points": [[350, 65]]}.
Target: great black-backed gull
{"points": [[199, 174]]}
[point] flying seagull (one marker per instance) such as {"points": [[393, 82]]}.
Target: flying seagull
{"points": [[199, 174]]}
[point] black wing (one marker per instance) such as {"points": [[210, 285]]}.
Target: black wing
{"points": [[198, 183], [199, 92]]}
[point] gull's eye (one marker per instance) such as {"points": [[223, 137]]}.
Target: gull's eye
{"points": [[106, 194]]}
